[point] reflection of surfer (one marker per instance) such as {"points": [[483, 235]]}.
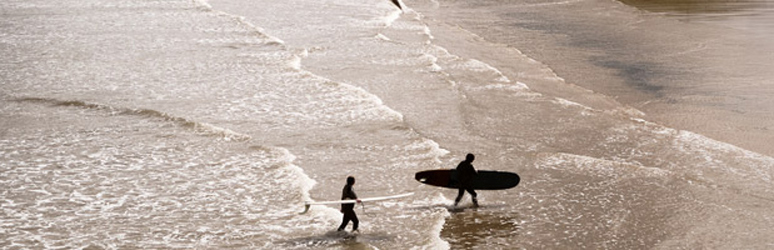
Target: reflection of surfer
{"points": [[465, 174], [349, 209]]}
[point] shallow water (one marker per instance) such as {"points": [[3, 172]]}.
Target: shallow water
{"points": [[178, 124], [701, 66]]}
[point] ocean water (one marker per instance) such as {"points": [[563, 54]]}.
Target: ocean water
{"points": [[207, 124]]}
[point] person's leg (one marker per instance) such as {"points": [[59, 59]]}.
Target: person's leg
{"points": [[459, 196], [474, 195], [344, 221], [355, 221]]}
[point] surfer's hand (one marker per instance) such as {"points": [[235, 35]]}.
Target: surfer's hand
{"points": [[358, 200]]}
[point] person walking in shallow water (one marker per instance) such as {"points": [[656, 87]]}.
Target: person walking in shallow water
{"points": [[349, 209], [465, 174]]}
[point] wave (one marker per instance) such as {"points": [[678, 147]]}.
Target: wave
{"points": [[88, 181], [616, 170], [199, 127], [205, 6]]}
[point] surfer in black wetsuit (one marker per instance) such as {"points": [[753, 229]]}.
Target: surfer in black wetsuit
{"points": [[465, 174], [349, 209]]}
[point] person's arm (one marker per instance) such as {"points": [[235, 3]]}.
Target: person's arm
{"points": [[349, 194], [353, 195]]}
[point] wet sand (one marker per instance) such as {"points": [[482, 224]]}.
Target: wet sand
{"points": [[696, 6], [703, 67], [726, 93]]}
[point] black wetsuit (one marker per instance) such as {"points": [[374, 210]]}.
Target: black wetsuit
{"points": [[465, 175], [348, 209]]}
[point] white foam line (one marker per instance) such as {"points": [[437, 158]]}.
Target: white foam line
{"points": [[553, 74], [444, 52], [397, 116], [295, 61], [227, 134], [693, 143], [438, 242], [519, 89], [391, 17], [421, 150], [382, 37], [304, 181], [434, 67], [568, 103], [427, 32], [480, 66], [205, 128], [205, 6], [559, 161]]}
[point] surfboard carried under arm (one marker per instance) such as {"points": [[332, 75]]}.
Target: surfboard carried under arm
{"points": [[380, 198], [485, 180]]}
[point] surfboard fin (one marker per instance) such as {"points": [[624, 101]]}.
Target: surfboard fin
{"points": [[306, 208]]}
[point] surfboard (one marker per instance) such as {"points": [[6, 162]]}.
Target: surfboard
{"points": [[380, 198], [486, 180], [397, 4]]}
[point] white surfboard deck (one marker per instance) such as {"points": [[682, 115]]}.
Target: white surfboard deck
{"points": [[380, 198]]}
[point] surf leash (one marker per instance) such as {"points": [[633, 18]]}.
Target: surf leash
{"points": [[362, 204]]}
